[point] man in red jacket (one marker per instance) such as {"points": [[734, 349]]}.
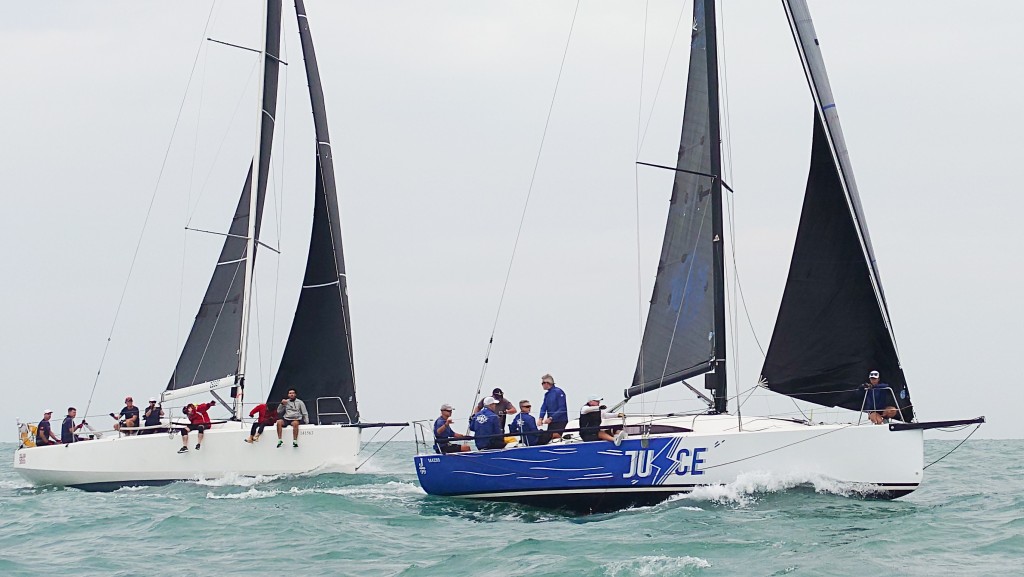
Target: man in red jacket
{"points": [[199, 420], [265, 415]]}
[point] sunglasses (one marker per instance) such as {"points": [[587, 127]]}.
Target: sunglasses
{"points": [[525, 406]]}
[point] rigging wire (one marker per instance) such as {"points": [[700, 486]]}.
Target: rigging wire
{"points": [[526, 204], [379, 448], [279, 222], [242, 96], [149, 212], [664, 68], [976, 427], [636, 194]]}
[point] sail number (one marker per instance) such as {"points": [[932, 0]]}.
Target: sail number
{"points": [[641, 463]]}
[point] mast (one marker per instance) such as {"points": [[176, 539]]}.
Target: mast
{"points": [[718, 382], [250, 237]]}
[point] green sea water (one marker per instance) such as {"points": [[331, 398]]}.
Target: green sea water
{"points": [[967, 519]]}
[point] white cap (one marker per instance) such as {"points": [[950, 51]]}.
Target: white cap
{"points": [[873, 375], [595, 398], [47, 411], [490, 401], [152, 399]]}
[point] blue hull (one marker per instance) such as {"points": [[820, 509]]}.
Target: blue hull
{"points": [[587, 477], [582, 477]]}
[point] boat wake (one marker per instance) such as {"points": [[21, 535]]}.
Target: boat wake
{"points": [[748, 486], [390, 491]]}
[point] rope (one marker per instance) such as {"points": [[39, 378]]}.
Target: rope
{"points": [[976, 427], [149, 212], [381, 447], [526, 204]]}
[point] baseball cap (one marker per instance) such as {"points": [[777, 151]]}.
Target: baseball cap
{"points": [[490, 401], [595, 398], [447, 407], [497, 392], [152, 399], [873, 374], [47, 411]]}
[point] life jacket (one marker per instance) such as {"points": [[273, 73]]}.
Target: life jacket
{"points": [[27, 432], [590, 423]]}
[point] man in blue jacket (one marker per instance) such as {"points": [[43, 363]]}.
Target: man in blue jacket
{"points": [[524, 425], [878, 399], [553, 412], [486, 427]]}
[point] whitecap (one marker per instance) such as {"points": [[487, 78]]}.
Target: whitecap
{"points": [[252, 493], [654, 565], [236, 480]]}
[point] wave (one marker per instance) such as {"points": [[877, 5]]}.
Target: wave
{"points": [[654, 565]]}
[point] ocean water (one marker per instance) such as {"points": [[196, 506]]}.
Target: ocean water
{"points": [[967, 519]]}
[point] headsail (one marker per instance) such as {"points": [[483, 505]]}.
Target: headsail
{"points": [[210, 357], [317, 359], [679, 338], [833, 325]]}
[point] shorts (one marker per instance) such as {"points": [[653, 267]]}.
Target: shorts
{"points": [[288, 422], [448, 448]]}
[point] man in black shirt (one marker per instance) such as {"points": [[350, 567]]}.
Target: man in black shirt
{"points": [[68, 428], [129, 416]]}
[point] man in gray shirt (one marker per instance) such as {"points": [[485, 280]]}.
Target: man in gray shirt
{"points": [[290, 412]]}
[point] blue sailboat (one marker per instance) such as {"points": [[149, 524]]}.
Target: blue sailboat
{"points": [[833, 328]]}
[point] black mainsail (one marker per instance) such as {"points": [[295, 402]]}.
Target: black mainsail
{"points": [[684, 335], [210, 358], [317, 359], [833, 325]]}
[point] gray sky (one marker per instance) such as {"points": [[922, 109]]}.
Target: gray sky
{"points": [[437, 110]]}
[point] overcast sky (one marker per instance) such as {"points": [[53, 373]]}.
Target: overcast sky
{"points": [[436, 112]]}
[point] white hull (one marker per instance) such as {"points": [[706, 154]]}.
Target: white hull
{"points": [[108, 463]]}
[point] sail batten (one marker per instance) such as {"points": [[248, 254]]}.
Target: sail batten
{"points": [[317, 360]]}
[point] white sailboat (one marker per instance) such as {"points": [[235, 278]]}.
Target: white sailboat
{"points": [[317, 358], [833, 328]]}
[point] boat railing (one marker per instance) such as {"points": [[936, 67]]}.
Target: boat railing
{"points": [[425, 439], [864, 404], [423, 435], [333, 417]]}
